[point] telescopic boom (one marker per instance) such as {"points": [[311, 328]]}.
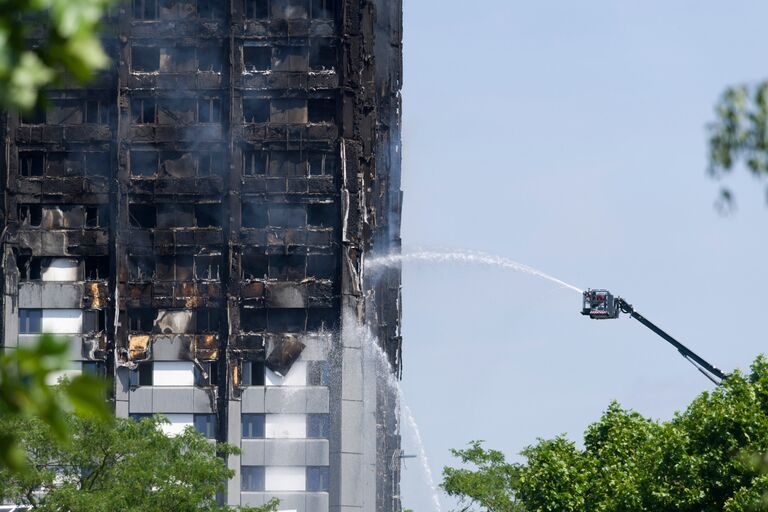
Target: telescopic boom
{"points": [[601, 304]]}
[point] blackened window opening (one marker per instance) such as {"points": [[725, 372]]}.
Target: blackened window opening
{"points": [[144, 163], [323, 9], [256, 9], [30, 215], [144, 110], [141, 268], [253, 373], [254, 265], [96, 217], [30, 268], [31, 163], [257, 58], [145, 58], [35, 115], [254, 215], [142, 376], [207, 320], [145, 9], [255, 110], [287, 267], [321, 110], [322, 56], [210, 58], [141, 319], [142, 216], [322, 164], [96, 268], [206, 375], [210, 9], [97, 164], [207, 267], [253, 319], [254, 163], [209, 110]]}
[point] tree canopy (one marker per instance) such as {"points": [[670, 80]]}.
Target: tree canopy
{"points": [[67, 45], [128, 466], [25, 392], [739, 133], [707, 458]]}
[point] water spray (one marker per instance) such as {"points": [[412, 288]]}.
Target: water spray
{"points": [[476, 258]]}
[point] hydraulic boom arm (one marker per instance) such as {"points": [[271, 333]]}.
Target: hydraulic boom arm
{"points": [[600, 304]]}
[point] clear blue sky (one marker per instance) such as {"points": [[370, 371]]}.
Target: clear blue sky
{"points": [[570, 136]]}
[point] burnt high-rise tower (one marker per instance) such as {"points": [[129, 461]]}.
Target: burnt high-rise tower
{"points": [[196, 221]]}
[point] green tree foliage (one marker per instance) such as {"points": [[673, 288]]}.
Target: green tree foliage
{"points": [[25, 392], [740, 133], [127, 466], [70, 46], [707, 458], [490, 486]]}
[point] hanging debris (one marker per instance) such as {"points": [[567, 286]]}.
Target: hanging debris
{"points": [[286, 350]]}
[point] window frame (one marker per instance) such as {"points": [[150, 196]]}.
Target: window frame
{"points": [[252, 478], [31, 321], [317, 479], [250, 429], [206, 424]]}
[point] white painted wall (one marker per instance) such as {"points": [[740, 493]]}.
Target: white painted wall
{"points": [[279, 478], [173, 373], [62, 321], [61, 269], [297, 376], [178, 423], [285, 426]]}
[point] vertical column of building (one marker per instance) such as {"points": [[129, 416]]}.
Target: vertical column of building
{"points": [[284, 283], [371, 184], [173, 168], [54, 243], [385, 204]]}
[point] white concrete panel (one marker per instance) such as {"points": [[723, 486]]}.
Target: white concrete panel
{"points": [[285, 426], [297, 376], [62, 321], [173, 373], [278, 478], [178, 422], [61, 269]]}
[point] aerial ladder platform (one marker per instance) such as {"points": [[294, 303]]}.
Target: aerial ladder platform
{"points": [[603, 305]]}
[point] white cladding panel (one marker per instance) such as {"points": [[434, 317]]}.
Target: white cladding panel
{"points": [[279, 478], [61, 269], [297, 376], [174, 373], [62, 321], [178, 422], [285, 426]]}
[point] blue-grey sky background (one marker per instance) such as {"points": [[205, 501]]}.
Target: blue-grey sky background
{"points": [[570, 136]]}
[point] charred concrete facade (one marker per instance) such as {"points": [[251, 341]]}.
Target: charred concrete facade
{"points": [[197, 222]]}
